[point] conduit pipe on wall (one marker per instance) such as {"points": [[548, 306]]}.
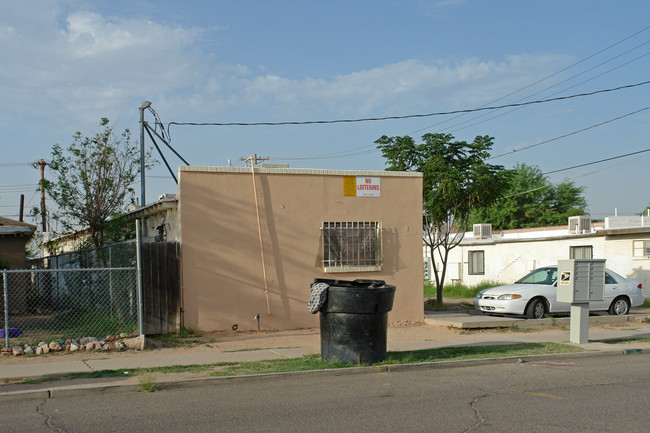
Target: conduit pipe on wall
{"points": [[259, 231]]}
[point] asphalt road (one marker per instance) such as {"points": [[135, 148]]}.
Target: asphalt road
{"points": [[594, 394]]}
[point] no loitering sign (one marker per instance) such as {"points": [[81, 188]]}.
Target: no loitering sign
{"points": [[361, 186]]}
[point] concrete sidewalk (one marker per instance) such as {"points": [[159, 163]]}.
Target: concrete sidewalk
{"points": [[602, 329]]}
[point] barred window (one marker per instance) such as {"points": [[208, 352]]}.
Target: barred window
{"points": [[351, 246]]}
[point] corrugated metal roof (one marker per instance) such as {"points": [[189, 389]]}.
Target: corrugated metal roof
{"points": [[14, 230]]}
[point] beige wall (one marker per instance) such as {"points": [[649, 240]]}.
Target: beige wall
{"points": [[223, 280], [12, 250]]}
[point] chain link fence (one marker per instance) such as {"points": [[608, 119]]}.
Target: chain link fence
{"points": [[59, 304], [122, 254]]}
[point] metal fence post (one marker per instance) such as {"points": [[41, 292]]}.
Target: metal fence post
{"points": [[6, 293], [138, 247], [110, 276]]}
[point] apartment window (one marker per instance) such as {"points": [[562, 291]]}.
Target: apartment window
{"points": [[351, 246], [581, 252], [476, 261], [641, 248]]}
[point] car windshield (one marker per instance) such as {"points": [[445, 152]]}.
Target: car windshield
{"points": [[540, 276]]}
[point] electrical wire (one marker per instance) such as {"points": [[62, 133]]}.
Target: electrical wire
{"points": [[15, 164], [596, 162], [409, 116], [352, 152], [551, 95], [568, 134], [575, 177], [541, 80], [358, 150]]}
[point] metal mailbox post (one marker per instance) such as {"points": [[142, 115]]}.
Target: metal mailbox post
{"points": [[580, 281]]}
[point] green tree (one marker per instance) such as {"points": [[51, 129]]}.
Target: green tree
{"points": [[456, 180], [94, 178], [531, 200]]}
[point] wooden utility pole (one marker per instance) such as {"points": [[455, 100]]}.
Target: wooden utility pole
{"points": [[42, 163], [253, 159], [22, 207]]}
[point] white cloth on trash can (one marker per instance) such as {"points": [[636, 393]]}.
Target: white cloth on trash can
{"points": [[318, 297]]}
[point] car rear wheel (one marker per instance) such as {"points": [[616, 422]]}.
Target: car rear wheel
{"points": [[536, 309], [620, 307]]}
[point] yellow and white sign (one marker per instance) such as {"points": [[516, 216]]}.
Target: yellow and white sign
{"points": [[361, 186]]}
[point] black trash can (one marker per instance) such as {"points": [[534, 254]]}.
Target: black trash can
{"points": [[354, 320]]}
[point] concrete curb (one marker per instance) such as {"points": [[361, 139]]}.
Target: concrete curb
{"points": [[467, 321], [103, 388]]}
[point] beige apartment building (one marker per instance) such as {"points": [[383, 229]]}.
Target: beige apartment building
{"points": [[503, 256], [253, 242]]}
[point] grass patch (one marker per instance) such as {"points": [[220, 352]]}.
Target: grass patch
{"points": [[646, 304], [433, 305], [627, 340], [457, 291], [40, 380], [314, 362], [72, 324], [185, 338], [309, 362], [148, 383], [475, 352], [101, 374]]}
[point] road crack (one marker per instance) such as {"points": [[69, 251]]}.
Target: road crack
{"points": [[48, 417], [479, 417]]}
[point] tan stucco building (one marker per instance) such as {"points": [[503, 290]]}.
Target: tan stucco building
{"points": [[14, 236], [253, 242]]}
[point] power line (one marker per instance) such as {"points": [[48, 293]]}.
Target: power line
{"points": [[573, 178], [551, 95], [356, 151], [596, 162], [543, 79], [409, 116], [569, 134], [15, 164]]}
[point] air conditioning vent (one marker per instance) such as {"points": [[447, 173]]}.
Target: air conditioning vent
{"points": [[579, 224], [166, 196], [482, 231]]}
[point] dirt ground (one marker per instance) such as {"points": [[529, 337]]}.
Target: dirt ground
{"points": [[229, 341], [238, 341]]}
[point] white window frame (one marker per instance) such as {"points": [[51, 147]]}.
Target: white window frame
{"points": [[641, 249], [351, 246], [581, 248], [472, 263]]}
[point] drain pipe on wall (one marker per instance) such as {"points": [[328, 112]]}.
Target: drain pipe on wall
{"points": [[259, 231]]}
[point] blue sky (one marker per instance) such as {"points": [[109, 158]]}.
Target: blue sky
{"points": [[67, 64]]}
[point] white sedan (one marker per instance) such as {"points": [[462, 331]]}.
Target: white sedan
{"points": [[535, 296]]}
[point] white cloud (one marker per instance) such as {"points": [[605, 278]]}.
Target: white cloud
{"points": [[389, 89], [81, 62]]}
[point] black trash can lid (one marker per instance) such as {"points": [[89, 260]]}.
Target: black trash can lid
{"points": [[360, 283]]}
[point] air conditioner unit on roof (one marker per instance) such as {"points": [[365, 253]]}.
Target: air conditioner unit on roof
{"points": [[579, 224], [482, 231]]}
